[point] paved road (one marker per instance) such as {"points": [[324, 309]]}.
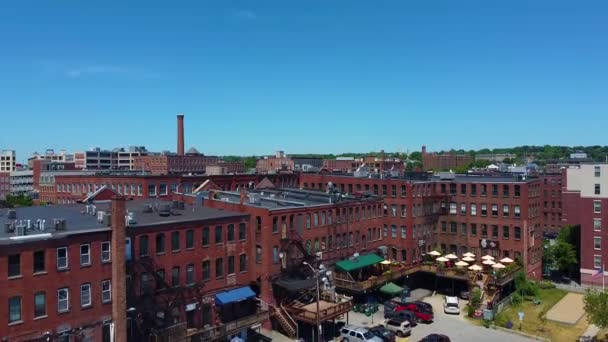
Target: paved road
{"points": [[456, 327]]}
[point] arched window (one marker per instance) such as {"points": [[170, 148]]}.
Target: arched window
{"points": [[323, 244], [322, 218], [308, 221], [316, 244], [308, 246]]}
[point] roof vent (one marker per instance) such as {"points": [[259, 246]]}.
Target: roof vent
{"points": [[130, 218], [12, 214], [59, 224], [147, 208], [164, 209]]}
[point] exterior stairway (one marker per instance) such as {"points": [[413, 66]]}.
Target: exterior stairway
{"points": [[285, 321]]}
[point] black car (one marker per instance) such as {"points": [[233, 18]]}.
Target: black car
{"points": [[385, 334], [435, 338], [464, 295], [405, 314]]}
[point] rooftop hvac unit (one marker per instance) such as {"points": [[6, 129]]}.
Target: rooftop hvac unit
{"points": [[131, 219], [12, 214], [174, 204], [107, 220], [147, 208], [100, 215], [255, 198], [180, 205], [60, 224]]}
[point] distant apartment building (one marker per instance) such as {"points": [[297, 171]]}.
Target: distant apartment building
{"points": [[116, 159], [446, 161], [225, 168], [50, 155], [495, 157], [585, 201], [273, 164], [8, 161], [555, 166], [21, 182], [5, 184], [374, 164], [166, 163]]}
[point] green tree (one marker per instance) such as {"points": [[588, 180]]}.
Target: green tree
{"points": [[19, 201], [250, 162], [415, 156], [596, 306], [563, 255]]}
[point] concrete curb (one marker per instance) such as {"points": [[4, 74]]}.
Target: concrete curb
{"points": [[520, 333]]}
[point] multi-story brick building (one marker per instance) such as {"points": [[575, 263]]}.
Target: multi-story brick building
{"points": [[376, 164], [445, 161], [585, 203], [551, 186], [22, 182], [50, 156], [165, 164], [5, 184], [273, 164]]}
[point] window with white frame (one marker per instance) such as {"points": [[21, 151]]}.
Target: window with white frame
{"points": [[403, 210], [85, 255], [463, 208], [596, 171], [597, 207], [394, 210], [403, 232], [473, 209], [505, 210], [105, 251], [63, 300], [494, 209], [151, 190], [517, 211], [62, 258], [597, 243], [106, 291], [85, 295], [597, 224], [597, 261], [139, 189], [452, 208]]}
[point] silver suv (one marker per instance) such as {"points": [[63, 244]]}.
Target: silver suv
{"points": [[351, 333]]}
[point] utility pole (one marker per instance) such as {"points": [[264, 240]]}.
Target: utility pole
{"points": [[316, 273]]}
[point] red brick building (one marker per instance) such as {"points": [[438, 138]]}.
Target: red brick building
{"points": [[165, 164], [350, 164], [445, 161], [274, 164], [551, 185]]}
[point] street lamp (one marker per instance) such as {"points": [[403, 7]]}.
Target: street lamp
{"points": [[316, 273]]}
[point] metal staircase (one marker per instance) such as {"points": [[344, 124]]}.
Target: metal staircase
{"points": [[289, 326]]}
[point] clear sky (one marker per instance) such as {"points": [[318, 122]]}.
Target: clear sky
{"points": [[303, 76]]}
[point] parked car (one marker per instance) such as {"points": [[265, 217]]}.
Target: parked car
{"points": [[351, 333], [422, 314], [464, 295], [450, 305], [402, 313], [425, 305], [382, 332], [401, 327], [435, 338]]}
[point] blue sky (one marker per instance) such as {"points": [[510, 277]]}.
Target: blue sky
{"points": [[303, 76]]}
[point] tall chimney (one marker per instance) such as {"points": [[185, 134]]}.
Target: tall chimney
{"points": [[180, 134], [119, 291]]}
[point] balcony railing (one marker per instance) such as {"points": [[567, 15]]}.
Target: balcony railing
{"points": [[300, 313], [224, 330]]}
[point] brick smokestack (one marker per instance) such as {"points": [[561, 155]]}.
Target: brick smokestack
{"points": [[180, 134], [119, 291]]}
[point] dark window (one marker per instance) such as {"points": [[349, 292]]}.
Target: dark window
{"points": [[444, 227], [452, 189], [453, 228], [14, 265], [206, 270], [242, 262], [517, 190], [484, 230], [62, 258], [443, 188], [517, 233], [231, 266], [242, 231], [483, 189], [505, 232], [494, 189], [40, 304], [275, 224], [505, 190], [219, 267], [14, 309], [143, 245], [189, 274], [394, 190], [218, 234], [175, 276], [206, 236], [403, 191], [175, 241], [463, 189], [161, 277], [230, 233], [160, 243], [494, 231], [473, 229], [473, 189], [463, 228], [189, 239], [39, 261], [384, 190], [597, 189]]}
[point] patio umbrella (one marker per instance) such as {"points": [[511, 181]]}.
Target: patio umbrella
{"points": [[442, 259], [475, 268], [506, 260], [487, 257], [451, 256], [498, 266], [461, 263], [488, 262], [435, 253], [391, 289], [468, 259], [468, 254]]}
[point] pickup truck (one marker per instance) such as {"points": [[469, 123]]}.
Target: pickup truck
{"points": [[422, 314]]}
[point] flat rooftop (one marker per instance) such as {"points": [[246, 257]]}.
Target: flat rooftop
{"points": [[78, 221], [283, 198], [423, 177]]}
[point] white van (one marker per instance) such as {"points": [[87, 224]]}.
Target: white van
{"points": [[450, 306], [400, 326]]}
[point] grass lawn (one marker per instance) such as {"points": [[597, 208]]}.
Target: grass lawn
{"points": [[532, 324]]}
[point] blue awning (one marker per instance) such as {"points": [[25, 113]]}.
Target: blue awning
{"points": [[235, 295]]}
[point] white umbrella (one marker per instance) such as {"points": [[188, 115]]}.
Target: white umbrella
{"points": [[435, 253], [461, 263], [487, 257], [468, 259], [475, 268], [385, 262], [498, 266], [506, 260], [443, 259], [488, 262], [451, 256], [469, 254]]}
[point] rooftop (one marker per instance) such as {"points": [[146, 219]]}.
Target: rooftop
{"points": [[424, 177], [78, 221]]}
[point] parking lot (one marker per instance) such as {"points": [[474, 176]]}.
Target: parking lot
{"points": [[458, 328]]}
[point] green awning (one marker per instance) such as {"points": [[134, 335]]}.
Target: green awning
{"points": [[391, 289], [360, 262]]}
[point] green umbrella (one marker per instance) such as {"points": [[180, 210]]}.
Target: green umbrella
{"points": [[391, 289]]}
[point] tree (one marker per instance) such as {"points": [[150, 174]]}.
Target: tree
{"points": [[19, 201], [415, 156], [596, 306], [563, 255]]}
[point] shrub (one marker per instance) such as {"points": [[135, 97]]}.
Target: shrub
{"points": [[516, 299], [486, 323], [471, 311], [546, 285], [476, 297]]}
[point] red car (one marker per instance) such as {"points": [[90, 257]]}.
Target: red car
{"points": [[422, 315]]}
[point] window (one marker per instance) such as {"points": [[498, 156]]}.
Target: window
{"points": [[444, 227], [384, 190], [517, 211], [463, 189], [62, 258], [39, 265], [106, 291], [14, 265], [473, 229], [452, 189], [483, 190], [463, 208], [190, 239], [597, 207], [139, 190], [597, 189], [14, 309], [219, 267], [473, 209], [494, 209], [505, 210], [473, 189], [403, 232], [385, 231], [597, 224], [484, 230], [160, 243], [205, 236], [143, 245], [190, 274], [258, 254], [394, 210], [206, 270], [307, 222], [403, 211], [151, 190], [452, 208], [163, 189], [495, 231], [275, 224], [85, 295], [243, 263], [219, 232], [505, 232], [596, 171], [597, 262], [403, 191], [505, 190], [275, 254], [463, 229], [175, 276], [230, 233], [494, 189], [85, 255], [63, 300], [597, 243], [231, 265], [174, 241], [484, 209], [39, 304], [393, 231], [517, 233], [453, 228], [106, 256], [242, 231]]}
